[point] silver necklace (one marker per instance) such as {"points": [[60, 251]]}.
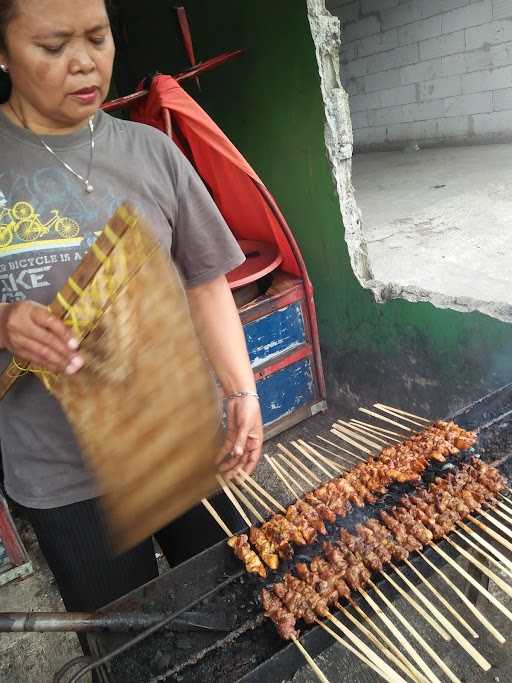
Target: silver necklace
{"points": [[89, 187]]}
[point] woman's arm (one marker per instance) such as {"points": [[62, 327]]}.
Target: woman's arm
{"points": [[220, 331]]}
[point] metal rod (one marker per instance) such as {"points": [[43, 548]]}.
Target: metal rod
{"points": [[79, 622]]}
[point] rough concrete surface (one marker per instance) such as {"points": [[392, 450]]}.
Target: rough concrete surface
{"points": [[437, 225], [34, 657]]}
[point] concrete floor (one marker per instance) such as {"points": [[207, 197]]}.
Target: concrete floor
{"points": [[439, 220]]}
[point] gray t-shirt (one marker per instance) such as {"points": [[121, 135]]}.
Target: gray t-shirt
{"points": [[47, 223]]}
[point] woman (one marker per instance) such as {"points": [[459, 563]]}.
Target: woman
{"points": [[64, 167]]}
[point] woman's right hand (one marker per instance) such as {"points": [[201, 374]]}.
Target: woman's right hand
{"points": [[33, 334]]}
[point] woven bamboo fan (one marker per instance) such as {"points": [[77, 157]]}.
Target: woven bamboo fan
{"points": [[144, 407]]}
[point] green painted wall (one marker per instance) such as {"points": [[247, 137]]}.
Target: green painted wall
{"points": [[269, 103]]}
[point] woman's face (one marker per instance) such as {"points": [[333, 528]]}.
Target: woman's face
{"points": [[60, 55]]}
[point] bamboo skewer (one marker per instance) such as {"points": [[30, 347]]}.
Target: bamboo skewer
{"points": [[345, 450], [260, 489], [273, 465], [430, 620], [380, 430], [401, 412], [440, 597], [503, 515], [490, 532], [504, 506], [372, 656], [311, 459], [294, 468], [233, 499], [481, 618], [351, 463], [213, 512], [428, 649], [350, 648], [316, 669], [371, 432], [256, 497], [485, 570], [398, 635], [346, 461], [496, 523], [346, 438], [361, 430], [327, 461], [245, 501], [355, 435], [385, 419], [393, 413], [300, 464], [290, 478], [407, 666], [493, 600], [503, 561], [462, 640]]}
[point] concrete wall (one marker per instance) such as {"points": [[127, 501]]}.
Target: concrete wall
{"points": [[429, 71], [270, 104]]}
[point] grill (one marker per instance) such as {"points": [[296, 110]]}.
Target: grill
{"points": [[222, 634]]}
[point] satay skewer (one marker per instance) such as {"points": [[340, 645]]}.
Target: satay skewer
{"points": [[497, 523], [293, 467], [292, 479], [243, 499], [439, 596], [273, 465], [359, 437], [311, 459], [459, 637], [472, 608], [426, 616], [490, 532], [213, 512], [401, 412], [406, 666], [504, 515], [351, 441], [363, 432], [311, 475], [345, 460], [249, 480], [350, 648], [492, 553], [314, 666], [344, 450], [394, 413], [414, 633], [398, 635], [379, 430], [233, 499], [479, 565], [338, 469], [256, 497], [391, 675], [385, 419], [489, 596], [507, 508]]}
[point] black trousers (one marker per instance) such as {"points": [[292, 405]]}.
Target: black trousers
{"points": [[74, 542]]}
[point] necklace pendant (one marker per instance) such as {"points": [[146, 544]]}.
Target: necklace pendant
{"points": [[88, 187]]}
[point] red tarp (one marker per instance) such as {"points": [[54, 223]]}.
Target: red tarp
{"points": [[237, 190]]}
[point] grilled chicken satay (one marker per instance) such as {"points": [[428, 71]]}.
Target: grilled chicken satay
{"points": [[246, 554], [283, 619], [266, 549]]}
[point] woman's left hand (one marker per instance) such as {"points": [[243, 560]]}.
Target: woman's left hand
{"points": [[244, 436]]}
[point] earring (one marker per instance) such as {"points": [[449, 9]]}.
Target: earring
{"points": [[4, 68]]}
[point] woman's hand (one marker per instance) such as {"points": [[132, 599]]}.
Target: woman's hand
{"points": [[34, 334], [244, 436]]}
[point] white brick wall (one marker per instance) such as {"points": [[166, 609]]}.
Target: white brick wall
{"points": [[427, 71]]}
